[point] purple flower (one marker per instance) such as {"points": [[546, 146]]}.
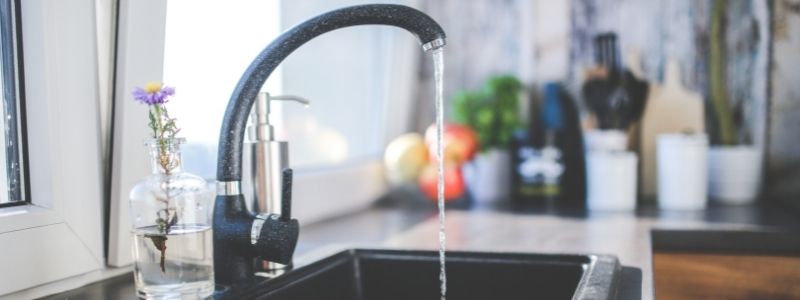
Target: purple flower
{"points": [[153, 93]]}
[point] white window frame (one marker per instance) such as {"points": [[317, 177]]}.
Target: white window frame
{"points": [[60, 233], [335, 191], [140, 58]]}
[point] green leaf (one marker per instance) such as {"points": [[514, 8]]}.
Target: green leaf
{"points": [[491, 111]]}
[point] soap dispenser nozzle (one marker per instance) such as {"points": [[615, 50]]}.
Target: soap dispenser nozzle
{"points": [[263, 129]]}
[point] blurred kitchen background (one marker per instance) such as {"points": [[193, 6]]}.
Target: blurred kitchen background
{"points": [[543, 41], [733, 62]]}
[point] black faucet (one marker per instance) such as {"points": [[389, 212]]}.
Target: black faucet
{"points": [[240, 236]]}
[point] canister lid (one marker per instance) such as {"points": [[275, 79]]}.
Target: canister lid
{"points": [[683, 139]]}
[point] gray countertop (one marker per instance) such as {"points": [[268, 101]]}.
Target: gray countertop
{"points": [[501, 229]]}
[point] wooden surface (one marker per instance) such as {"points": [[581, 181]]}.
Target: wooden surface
{"points": [[726, 276]]}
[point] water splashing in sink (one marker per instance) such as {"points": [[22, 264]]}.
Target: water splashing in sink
{"points": [[438, 69]]}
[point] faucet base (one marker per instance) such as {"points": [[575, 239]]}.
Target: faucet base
{"points": [[235, 256], [232, 260]]}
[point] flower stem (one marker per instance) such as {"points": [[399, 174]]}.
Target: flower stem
{"points": [[164, 131]]}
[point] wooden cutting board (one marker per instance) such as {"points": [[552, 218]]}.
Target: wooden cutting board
{"points": [[670, 108]]}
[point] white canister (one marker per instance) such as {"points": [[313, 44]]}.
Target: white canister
{"points": [[611, 180], [682, 171]]}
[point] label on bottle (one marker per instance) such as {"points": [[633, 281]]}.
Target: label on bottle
{"points": [[539, 171]]}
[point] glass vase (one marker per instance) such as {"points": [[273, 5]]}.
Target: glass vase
{"points": [[171, 222]]}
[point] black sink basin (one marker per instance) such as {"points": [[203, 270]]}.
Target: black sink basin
{"points": [[393, 274]]}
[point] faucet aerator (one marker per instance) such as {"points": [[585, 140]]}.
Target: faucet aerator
{"points": [[433, 45]]}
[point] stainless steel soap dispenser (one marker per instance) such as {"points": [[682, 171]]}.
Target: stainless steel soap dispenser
{"points": [[268, 158]]}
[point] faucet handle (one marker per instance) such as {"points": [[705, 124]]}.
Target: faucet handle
{"points": [[286, 198], [275, 236], [276, 239]]}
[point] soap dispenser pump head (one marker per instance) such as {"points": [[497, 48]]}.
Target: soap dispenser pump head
{"points": [[260, 115]]}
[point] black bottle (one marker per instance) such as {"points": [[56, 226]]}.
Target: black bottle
{"points": [[570, 141], [525, 146], [547, 159]]}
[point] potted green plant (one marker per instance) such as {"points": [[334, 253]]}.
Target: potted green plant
{"points": [[492, 112], [734, 164]]}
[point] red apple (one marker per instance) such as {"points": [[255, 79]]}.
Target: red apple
{"points": [[453, 182], [460, 143]]}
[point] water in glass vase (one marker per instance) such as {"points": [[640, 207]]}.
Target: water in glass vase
{"points": [[188, 270]]}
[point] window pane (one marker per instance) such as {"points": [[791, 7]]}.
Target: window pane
{"points": [[344, 73], [208, 46], [10, 156]]}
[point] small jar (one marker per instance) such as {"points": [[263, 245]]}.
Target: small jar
{"points": [[611, 180], [682, 171], [171, 223]]}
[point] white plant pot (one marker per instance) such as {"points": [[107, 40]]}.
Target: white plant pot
{"points": [[734, 174], [488, 176]]}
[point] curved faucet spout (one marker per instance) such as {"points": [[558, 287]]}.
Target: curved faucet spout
{"points": [[229, 163], [239, 236]]}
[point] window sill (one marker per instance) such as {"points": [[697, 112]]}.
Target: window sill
{"points": [[85, 284]]}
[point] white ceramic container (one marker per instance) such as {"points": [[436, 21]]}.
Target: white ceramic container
{"points": [[611, 180], [682, 171]]}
